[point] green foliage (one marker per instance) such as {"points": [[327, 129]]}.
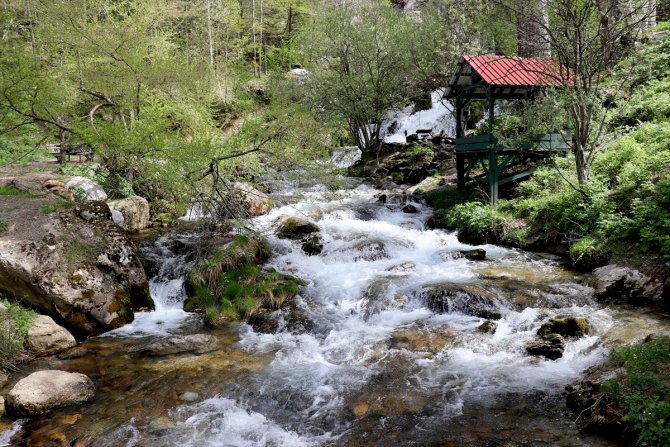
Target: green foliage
{"points": [[419, 151], [16, 322], [643, 390], [12, 191], [116, 186], [3, 227], [51, 207], [649, 103], [397, 176], [477, 222]]}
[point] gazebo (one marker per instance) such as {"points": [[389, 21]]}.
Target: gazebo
{"points": [[491, 78]]}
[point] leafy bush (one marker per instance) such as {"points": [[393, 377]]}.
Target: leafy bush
{"points": [[643, 390], [114, 185], [15, 322], [418, 152], [477, 222]]}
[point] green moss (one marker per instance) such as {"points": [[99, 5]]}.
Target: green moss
{"points": [[643, 390], [79, 252]]}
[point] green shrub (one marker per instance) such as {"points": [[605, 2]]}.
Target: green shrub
{"points": [[477, 223], [419, 151], [643, 390], [15, 322]]}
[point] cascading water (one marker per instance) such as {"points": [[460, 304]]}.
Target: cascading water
{"points": [[172, 261], [373, 362]]}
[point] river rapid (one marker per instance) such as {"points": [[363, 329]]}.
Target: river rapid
{"points": [[370, 364]]}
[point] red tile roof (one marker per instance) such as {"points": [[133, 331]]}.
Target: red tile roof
{"points": [[513, 71]]}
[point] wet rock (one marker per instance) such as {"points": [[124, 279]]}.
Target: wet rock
{"points": [[405, 267], [488, 327], [75, 353], [295, 228], [476, 254], [622, 284], [382, 198], [410, 209], [466, 298], [181, 344], [189, 396], [370, 251], [252, 201], [135, 212], [418, 340], [566, 326], [312, 246], [550, 346], [45, 337], [85, 189], [45, 390]]}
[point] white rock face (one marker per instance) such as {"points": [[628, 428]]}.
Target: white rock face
{"points": [[87, 189], [45, 337], [134, 213], [45, 390]]}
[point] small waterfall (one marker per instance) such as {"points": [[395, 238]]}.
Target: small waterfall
{"points": [[170, 258]]}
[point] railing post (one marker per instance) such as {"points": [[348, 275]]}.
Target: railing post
{"points": [[493, 175]]}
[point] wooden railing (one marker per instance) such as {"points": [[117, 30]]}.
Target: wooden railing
{"points": [[484, 143]]}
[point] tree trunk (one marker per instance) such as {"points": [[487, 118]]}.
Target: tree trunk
{"points": [[209, 32], [580, 163]]}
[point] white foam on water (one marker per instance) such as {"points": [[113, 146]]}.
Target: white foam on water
{"points": [[439, 119], [7, 435], [219, 422]]}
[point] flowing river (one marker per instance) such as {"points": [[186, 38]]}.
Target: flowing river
{"points": [[368, 364]]}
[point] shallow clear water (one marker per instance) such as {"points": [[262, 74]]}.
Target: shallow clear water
{"points": [[374, 366]]}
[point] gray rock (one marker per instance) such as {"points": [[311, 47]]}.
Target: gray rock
{"points": [[313, 245], [622, 284], [488, 327], [45, 390], [295, 228], [117, 218], [134, 211], [410, 209], [181, 344], [466, 298], [4, 379], [250, 200], [85, 189], [476, 254], [550, 346], [45, 337]]}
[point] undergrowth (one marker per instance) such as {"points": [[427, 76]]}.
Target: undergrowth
{"points": [[642, 391], [15, 322]]}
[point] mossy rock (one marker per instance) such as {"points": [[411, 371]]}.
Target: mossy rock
{"points": [[567, 327], [295, 228]]}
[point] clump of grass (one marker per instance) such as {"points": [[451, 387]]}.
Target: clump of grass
{"points": [[78, 252], [51, 207], [3, 227], [240, 293], [642, 391], [13, 191], [15, 322]]}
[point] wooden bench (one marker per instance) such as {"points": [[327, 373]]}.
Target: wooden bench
{"points": [[81, 150]]}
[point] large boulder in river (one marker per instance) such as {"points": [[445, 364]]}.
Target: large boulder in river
{"points": [[85, 189], [622, 284], [45, 337], [566, 326], [46, 390], [134, 210], [74, 265], [465, 298], [550, 346], [295, 228], [250, 200]]}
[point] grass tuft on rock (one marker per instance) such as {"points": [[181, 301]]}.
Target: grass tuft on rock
{"points": [[15, 322]]}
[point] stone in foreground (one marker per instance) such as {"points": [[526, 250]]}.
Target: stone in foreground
{"points": [[43, 391], [45, 337], [622, 284], [550, 346]]}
